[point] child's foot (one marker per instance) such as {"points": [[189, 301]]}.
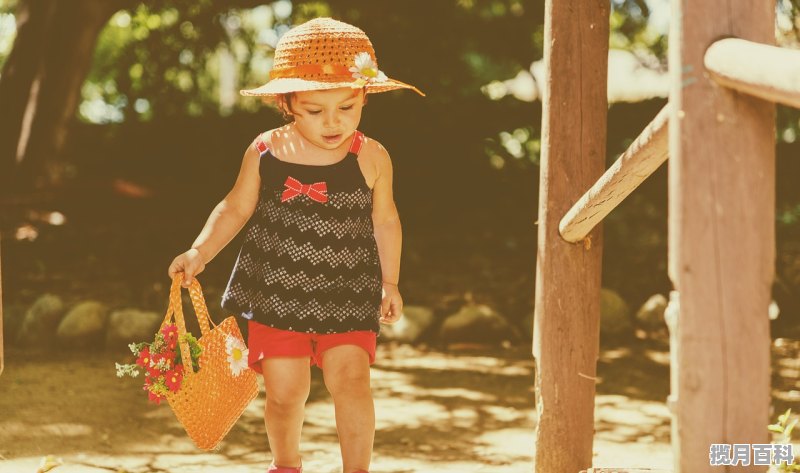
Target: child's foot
{"points": [[284, 469]]}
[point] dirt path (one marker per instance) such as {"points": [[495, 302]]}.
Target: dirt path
{"points": [[436, 411]]}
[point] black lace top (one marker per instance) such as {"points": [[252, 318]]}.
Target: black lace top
{"points": [[309, 261]]}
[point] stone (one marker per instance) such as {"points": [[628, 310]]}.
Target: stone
{"points": [[127, 326], [84, 326], [414, 322], [13, 317], [615, 317], [651, 315], [476, 323], [40, 322], [774, 311]]}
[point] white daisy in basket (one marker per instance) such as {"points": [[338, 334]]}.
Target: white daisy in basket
{"points": [[366, 70], [237, 354]]}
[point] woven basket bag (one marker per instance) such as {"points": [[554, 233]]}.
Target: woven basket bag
{"points": [[212, 399]]}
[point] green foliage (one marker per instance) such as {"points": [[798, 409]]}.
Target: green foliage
{"points": [[309, 10], [8, 6], [8, 31], [788, 35], [788, 31], [789, 216], [631, 30], [195, 350], [155, 59], [784, 427], [163, 58]]}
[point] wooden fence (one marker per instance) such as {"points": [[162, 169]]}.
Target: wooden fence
{"points": [[718, 131]]}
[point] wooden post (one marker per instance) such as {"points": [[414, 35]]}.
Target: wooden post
{"points": [[721, 238], [567, 314]]}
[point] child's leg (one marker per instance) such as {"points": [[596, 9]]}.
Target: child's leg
{"points": [[346, 374], [288, 382]]}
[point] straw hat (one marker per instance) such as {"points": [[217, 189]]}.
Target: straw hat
{"points": [[325, 54]]}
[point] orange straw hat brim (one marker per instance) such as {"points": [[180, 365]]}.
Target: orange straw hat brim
{"points": [[288, 85], [323, 54]]}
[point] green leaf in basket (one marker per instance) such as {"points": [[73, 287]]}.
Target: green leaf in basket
{"points": [[195, 350], [775, 428]]}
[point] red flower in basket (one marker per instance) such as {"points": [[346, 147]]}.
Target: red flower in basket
{"points": [[162, 362], [170, 332], [155, 398], [144, 358], [152, 396], [173, 378]]}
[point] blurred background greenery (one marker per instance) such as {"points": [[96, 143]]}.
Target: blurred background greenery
{"points": [[121, 127]]}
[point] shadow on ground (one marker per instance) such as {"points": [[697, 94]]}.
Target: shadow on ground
{"points": [[436, 411]]}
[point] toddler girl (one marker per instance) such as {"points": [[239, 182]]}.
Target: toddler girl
{"points": [[319, 267]]}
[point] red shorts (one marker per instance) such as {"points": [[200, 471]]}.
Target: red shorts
{"points": [[264, 341]]}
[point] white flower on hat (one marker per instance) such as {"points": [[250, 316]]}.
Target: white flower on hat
{"points": [[237, 354], [366, 70]]}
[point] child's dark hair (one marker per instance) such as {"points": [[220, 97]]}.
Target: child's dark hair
{"points": [[284, 104]]}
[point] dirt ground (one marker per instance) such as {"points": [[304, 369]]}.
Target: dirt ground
{"points": [[457, 411]]}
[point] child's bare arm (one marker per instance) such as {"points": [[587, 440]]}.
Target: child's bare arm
{"points": [[225, 221], [388, 234]]}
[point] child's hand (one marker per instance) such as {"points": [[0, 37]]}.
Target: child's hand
{"points": [[189, 263], [391, 305]]}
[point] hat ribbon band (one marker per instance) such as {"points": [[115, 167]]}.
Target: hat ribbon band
{"points": [[296, 71]]}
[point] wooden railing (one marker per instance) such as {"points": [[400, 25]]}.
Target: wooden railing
{"points": [[636, 164], [760, 70], [767, 72]]}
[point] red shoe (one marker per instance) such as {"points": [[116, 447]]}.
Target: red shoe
{"points": [[284, 469]]}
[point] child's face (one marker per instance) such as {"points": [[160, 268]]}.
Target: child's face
{"points": [[328, 117]]}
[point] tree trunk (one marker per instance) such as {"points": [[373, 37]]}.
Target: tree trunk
{"points": [[41, 85], [41, 81], [21, 69]]}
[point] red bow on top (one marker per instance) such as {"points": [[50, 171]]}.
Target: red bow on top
{"points": [[317, 191]]}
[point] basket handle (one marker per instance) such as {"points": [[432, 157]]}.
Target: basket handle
{"points": [[200, 308], [175, 310], [198, 303]]}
